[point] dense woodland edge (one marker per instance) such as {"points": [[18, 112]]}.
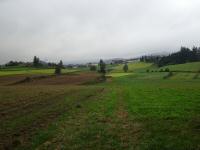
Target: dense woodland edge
{"points": [[183, 56]]}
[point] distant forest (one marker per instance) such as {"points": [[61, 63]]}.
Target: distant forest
{"points": [[184, 55]]}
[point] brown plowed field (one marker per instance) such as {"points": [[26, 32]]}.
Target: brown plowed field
{"points": [[74, 79]]}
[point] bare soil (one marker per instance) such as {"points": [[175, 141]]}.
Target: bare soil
{"points": [[71, 79]]}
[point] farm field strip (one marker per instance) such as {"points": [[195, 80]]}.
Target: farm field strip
{"points": [[134, 115], [133, 110], [26, 121], [31, 71]]}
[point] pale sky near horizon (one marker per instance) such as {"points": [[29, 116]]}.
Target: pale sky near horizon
{"points": [[86, 30]]}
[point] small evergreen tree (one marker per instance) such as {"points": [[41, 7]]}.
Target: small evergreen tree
{"points": [[36, 61], [125, 68], [60, 64], [58, 70], [102, 67]]}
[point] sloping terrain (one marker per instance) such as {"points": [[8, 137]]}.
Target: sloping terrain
{"points": [[132, 67], [9, 71], [194, 67], [135, 110]]}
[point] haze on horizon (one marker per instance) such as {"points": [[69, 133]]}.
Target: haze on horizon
{"points": [[87, 30]]}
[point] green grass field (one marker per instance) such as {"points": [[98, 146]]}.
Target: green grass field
{"points": [[29, 71], [133, 67], [195, 66], [134, 110]]}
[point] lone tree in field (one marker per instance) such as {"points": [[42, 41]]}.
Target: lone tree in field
{"points": [[102, 67], [61, 64], [36, 61], [58, 70], [125, 68]]}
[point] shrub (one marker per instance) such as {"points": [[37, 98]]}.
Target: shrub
{"points": [[125, 68], [58, 70], [166, 69], [147, 70]]}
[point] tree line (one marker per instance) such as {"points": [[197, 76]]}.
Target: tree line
{"points": [[184, 55], [35, 63]]}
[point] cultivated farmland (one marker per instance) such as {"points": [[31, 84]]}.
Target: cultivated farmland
{"points": [[133, 110]]}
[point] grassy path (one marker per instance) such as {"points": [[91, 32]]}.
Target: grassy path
{"points": [[129, 130], [101, 121]]}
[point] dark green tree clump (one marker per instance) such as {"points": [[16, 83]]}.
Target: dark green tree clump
{"points": [[36, 61], [184, 55], [102, 67], [125, 68], [61, 64], [59, 67], [14, 63], [166, 69], [58, 70]]}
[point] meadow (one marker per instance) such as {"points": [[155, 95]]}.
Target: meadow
{"points": [[193, 67], [134, 110], [30, 70]]}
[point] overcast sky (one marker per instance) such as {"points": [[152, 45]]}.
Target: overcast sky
{"points": [[87, 30]]}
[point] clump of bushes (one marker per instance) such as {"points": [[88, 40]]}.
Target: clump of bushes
{"points": [[161, 70], [166, 69]]}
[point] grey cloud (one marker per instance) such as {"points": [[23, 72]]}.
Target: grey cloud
{"points": [[84, 30]]}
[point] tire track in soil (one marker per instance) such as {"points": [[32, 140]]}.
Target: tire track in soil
{"points": [[129, 130]]}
